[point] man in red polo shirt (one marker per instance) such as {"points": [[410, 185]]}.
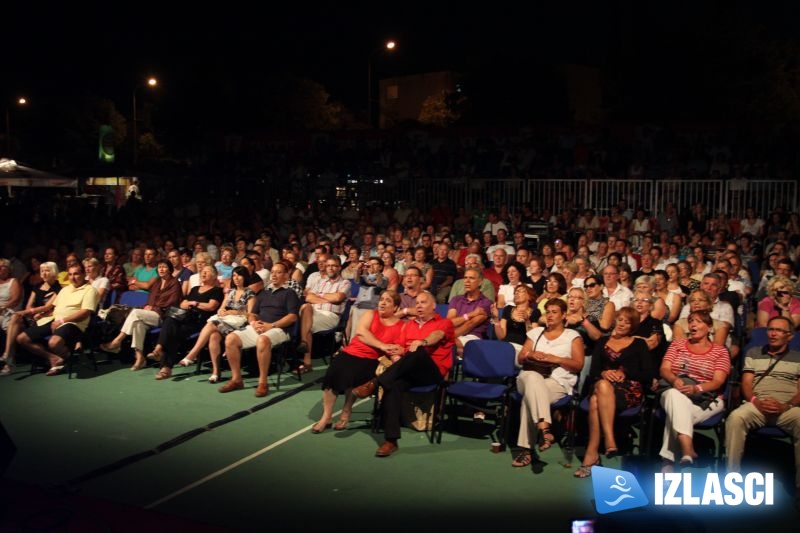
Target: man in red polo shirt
{"points": [[423, 356]]}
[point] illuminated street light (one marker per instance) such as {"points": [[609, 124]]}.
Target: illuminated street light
{"points": [[21, 101], [390, 46], [151, 82]]}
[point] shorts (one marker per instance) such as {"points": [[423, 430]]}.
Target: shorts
{"points": [[249, 337], [69, 332]]}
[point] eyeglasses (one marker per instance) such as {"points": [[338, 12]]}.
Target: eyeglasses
{"points": [[641, 300], [590, 285], [778, 330]]}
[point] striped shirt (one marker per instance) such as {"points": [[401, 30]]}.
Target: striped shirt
{"points": [[329, 286], [698, 366]]}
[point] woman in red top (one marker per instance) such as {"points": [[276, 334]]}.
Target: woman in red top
{"points": [[359, 359]]}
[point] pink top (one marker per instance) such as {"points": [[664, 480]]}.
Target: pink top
{"points": [[768, 306]]}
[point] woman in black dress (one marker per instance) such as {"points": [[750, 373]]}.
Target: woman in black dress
{"points": [[621, 366]]}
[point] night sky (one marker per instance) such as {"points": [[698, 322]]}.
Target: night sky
{"points": [[671, 60]]}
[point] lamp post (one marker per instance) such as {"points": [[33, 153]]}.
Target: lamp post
{"points": [[151, 82], [21, 101], [390, 46]]}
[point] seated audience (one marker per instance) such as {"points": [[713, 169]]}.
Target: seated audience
{"points": [[422, 356], [201, 303], [38, 311], [165, 293], [551, 359], [377, 332], [72, 309], [272, 314], [231, 316], [694, 367], [619, 374], [771, 394]]}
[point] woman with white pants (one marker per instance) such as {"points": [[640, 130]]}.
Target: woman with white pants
{"points": [[165, 293], [692, 366]]}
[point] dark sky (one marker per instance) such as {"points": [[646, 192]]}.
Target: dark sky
{"points": [[205, 55]]}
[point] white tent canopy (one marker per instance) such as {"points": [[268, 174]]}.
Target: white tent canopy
{"points": [[15, 175]]}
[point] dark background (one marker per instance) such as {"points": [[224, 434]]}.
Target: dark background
{"points": [[233, 67]]}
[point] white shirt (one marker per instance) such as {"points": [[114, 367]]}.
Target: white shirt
{"points": [[561, 346], [622, 296]]}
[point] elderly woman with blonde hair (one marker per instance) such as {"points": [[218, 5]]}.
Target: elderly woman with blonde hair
{"points": [[780, 301], [38, 311]]}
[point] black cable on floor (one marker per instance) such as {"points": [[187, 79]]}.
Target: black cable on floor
{"points": [[70, 485]]}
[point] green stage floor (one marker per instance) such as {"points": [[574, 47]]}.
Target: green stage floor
{"points": [[97, 445]]}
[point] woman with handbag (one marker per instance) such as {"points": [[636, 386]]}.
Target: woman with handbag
{"points": [[551, 360], [694, 368], [377, 331], [231, 316], [197, 307], [620, 371], [165, 293]]}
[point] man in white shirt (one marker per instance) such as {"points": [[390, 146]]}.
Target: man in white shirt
{"points": [[501, 244], [493, 225], [619, 295]]}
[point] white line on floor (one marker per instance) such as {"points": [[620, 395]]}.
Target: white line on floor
{"points": [[240, 462]]}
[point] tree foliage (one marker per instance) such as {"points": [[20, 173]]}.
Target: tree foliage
{"points": [[442, 109]]}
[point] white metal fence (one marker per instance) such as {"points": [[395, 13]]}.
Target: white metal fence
{"points": [[732, 197]]}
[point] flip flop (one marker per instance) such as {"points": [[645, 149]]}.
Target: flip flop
{"points": [[55, 370]]}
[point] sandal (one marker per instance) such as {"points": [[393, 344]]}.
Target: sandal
{"points": [[547, 440], [55, 370], [153, 356], [585, 471], [138, 365], [341, 424], [7, 369], [303, 369], [213, 378], [186, 362], [524, 458], [164, 373]]}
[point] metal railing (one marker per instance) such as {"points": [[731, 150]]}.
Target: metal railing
{"points": [[728, 196]]}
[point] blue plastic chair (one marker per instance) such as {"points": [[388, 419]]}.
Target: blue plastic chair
{"points": [[486, 360], [134, 298]]}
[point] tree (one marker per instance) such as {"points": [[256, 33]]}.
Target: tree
{"points": [[294, 103], [442, 109]]}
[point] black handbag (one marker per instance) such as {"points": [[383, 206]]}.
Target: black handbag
{"points": [[184, 316], [703, 399]]}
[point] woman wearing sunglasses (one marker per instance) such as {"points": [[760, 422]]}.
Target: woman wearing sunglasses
{"points": [[779, 302]]}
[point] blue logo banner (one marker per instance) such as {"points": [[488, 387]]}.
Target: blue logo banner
{"points": [[616, 490]]}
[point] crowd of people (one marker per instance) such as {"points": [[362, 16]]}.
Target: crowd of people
{"points": [[621, 307]]}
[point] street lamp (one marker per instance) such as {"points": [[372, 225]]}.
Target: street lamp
{"points": [[21, 101], [151, 82], [389, 46]]}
